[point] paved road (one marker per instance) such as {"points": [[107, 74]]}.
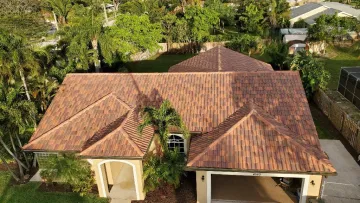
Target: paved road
{"points": [[345, 187]]}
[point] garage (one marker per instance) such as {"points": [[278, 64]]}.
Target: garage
{"points": [[252, 189]]}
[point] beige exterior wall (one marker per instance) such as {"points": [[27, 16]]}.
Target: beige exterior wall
{"points": [[314, 189], [113, 167], [306, 15], [201, 187]]}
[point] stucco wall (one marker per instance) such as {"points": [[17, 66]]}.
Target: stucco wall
{"points": [[314, 187], [201, 190], [100, 175]]}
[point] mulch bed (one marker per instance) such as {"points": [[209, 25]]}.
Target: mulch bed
{"points": [[12, 165], [186, 193]]}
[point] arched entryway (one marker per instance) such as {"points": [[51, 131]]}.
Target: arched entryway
{"points": [[118, 179]]}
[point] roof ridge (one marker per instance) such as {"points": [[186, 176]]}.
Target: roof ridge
{"points": [[74, 116], [293, 139], [220, 138], [189, 73], [255, 112], [135, 146], [120, 128], [219, 59]]}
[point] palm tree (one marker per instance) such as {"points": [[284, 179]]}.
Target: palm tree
{"points": [[60, 9], [43, 91], [82, 36], [16, 115], [161, 119], [16, 57]]}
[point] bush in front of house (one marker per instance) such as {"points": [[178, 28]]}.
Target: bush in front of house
{"points": [[160, 171], [69, 169]]}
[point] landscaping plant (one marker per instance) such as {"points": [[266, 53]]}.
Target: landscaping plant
{"points": [[166, 166], [162, 171], [312, 72], [69, 169]]}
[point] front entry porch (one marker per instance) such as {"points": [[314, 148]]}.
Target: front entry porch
{"points": [[119, 180]]}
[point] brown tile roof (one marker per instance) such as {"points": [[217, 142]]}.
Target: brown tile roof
{"points": [[221, 59], [252, 140], [97, 114]]}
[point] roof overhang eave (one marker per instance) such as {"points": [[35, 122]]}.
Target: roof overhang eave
{"points": [[113, 157], [187, 168], [50, 151]]}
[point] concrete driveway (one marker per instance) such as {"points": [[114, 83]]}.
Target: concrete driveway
{"points": [[345, 187]]}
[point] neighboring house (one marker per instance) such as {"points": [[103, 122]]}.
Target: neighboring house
{"points": [[295, 38], [300, 2], [310, 11], [244, 124]]}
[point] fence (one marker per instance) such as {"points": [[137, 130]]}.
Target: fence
{"points": [[342, 113], [178, 48]]}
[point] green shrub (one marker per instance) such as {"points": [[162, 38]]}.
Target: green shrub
{"points": [[159, 171], [246, 43], [70, 169], [312, 72]]}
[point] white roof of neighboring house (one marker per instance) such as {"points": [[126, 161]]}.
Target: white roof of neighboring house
{"points": [[301, 10], [289, 38], [294, 31], [343, 8], [328, 8]]}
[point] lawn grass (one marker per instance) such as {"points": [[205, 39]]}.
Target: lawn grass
{"points": [[157, 63], [28, 193], [339, 57], [324, 127]]}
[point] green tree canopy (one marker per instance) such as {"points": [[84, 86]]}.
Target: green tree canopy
{"points": [[17, 59], [201, 22], [131, 34], [251, 20], [312, 72], [246, 43], [226, 13], [17, 115], [329, 28]]}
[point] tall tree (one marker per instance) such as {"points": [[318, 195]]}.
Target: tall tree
{"points": [[130, 34], [278, 52], [312, 72], [61, 9], [16, 59], [201, 22], [16, 116], [226, 13], [82, 36], [251, 20]]}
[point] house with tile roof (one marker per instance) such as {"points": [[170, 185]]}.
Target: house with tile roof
{"points": [[245, 120]]}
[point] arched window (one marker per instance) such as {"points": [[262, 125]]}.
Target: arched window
{"points": [[177, 141]]}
